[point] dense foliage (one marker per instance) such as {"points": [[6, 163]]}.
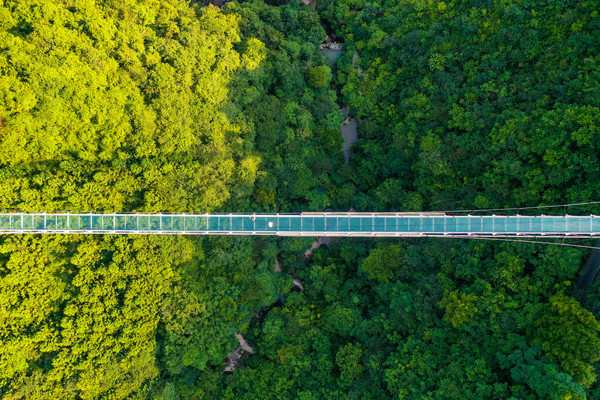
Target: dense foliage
{"points": [[468, 105], [161, 105], [456, 321], [148, 106]]}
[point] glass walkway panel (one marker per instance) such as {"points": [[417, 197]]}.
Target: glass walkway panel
{"points": [[304, 224]]}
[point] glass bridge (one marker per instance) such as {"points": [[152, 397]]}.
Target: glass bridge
{"points": [[304, 224]]}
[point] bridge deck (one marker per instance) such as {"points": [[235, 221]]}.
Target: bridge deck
{"points": [[305, 224]]}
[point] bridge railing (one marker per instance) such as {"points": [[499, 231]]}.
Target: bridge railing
{"points": [[305, 224]]}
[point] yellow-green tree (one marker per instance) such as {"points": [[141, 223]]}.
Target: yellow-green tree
{"points": [[568, 335]]}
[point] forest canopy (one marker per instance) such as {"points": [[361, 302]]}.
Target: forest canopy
{"points": [[472, 104], [147, 106], [164, 105], [154, 106]]}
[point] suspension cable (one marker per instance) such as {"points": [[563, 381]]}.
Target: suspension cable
{"points": [[525, 208], [525, 241]]}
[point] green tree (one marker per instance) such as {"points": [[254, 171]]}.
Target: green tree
{"points": [[545, 379], [568, 335], [348, 359], [459, 307], [381, 264], [319, 77]]}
